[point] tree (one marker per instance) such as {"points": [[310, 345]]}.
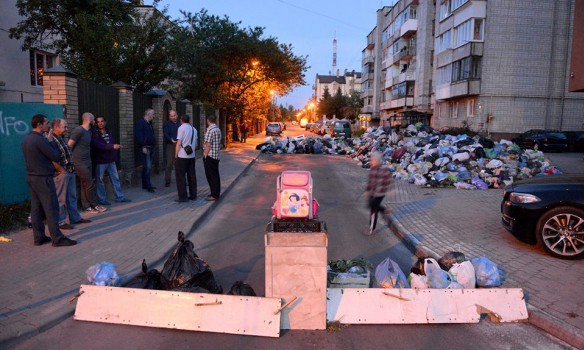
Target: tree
{"points": [[325, 104], [101, 40]]}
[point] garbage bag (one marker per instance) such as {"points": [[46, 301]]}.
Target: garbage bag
{"points": [[480, 184], [184, 268], [418, 281], [146, 279], [464, 273], [487, 272], [451, 258], [240, 288], [389, 275], [437, 278], [103, 274], [461, 157]]}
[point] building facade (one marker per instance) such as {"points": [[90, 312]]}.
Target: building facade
{"points": [[349, 83]]}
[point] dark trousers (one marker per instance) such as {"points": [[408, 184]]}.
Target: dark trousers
{"points": [[169, 150], [212, 174], [147, 167], [243, 136], [86, 185], [376, 207], [44, 205], [185, 171]]}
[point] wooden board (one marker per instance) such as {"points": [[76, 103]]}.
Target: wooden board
{"points": [[412, 306], [179, 310]]}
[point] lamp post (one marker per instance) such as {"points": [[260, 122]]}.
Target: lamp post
{"points": [[313, 112]]}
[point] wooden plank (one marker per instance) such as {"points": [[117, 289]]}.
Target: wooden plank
{"points": [[413, 306], [179, 310]]}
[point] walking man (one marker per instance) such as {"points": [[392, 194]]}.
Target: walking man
{"points": [[39, 153], [243, 129], [185, 160], [106, 153], [80, 144], [377, 186], [170, 133], [211, 157], [146, 141], [64, 179]]}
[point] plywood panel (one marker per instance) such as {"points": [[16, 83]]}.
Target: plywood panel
{"points": [[410, 306], [179, 310]]}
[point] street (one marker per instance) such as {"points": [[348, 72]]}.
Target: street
{"points": [[231, 240]]}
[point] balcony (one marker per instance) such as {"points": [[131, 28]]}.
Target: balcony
{"points": [[388, 83], [407, 53], [458, 89], [385, 105], [407, 76], [368, 59], [367, 109], [409, 28], [468, 49], [395, 80], [366, 92], [366, 76]]}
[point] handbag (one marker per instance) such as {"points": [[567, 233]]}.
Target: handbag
{"points": [[188, 149]]}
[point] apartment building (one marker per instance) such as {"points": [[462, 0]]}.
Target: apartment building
{"points": [[349, 83], [501, 67], [371, 70]]}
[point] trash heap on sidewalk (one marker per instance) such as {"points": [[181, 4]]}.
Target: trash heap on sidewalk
{"points": [[426, 157]]}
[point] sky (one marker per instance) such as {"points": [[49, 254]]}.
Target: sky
{"points": [[309, 25]]}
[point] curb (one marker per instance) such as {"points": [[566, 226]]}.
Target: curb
{"points": [[64, 313], [537, 318]]}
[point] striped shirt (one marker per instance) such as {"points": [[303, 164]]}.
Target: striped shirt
{"points": [[213, 137], [66, 160], [379, 181]]}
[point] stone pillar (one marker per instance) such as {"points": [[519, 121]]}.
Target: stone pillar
{"points": [[60, 87], [127, 137]]}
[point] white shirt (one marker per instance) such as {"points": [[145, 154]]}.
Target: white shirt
{"points": [[185, 132]]}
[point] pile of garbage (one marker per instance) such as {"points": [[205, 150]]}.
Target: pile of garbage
{"points": [[426, 157]]}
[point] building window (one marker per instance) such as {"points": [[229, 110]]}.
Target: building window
{"points": [[444, 41], [470, 108], [478, 30], [39, 62], [457, 3], [467, 68], [443, 75], [454, 110], [445, 9]]}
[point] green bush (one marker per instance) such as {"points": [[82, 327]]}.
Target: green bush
{"points": [[14, 217]]}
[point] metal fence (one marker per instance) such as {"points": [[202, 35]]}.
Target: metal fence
{"points": [[100, 100]]}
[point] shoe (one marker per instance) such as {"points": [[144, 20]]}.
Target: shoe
{"points": [[64, 242], [66, 227], [105, 203], [91, 210], [99, 208], [167, 184], [123, 200], [151, 190], [82, 221], [44, 240], [211, 198], [193, 198], [369, 232], [181, 200]]}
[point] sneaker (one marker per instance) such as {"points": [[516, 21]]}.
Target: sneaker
{"points": [[91, 210], [167, 184], [66, 227], [44, 240], [211, 198], [123, 200], [99, 208], [64, 242], [193, 198], [82, 221], [105, 203]]}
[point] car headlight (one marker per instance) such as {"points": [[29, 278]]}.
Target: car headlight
{"points": [[518, 197]]}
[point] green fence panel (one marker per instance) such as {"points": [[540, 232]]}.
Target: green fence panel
{"points": [[14, 126]]}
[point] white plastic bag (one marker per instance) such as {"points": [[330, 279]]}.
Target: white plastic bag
{"points": [[418, 281], [464, 273], [437, 278], [389, 275]]}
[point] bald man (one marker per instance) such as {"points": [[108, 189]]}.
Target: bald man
{"points": [[80, 145]]}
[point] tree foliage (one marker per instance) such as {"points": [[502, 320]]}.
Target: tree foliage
{"points": [[339, 105]]}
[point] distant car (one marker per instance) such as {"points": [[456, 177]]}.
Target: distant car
{"points": [[548, 210], [545, 140], [575, 140], [273, 129], [324, 129], [294, 122], [341, 128], [303, 122], [309, 126], [315, 128]]}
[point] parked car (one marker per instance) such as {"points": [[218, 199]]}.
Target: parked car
{"points": [[294, 122], [548, 210], [545, 140], [575, 140], [341, 128], [316, 128], [309, 126], [273, 128], [324, 129]]}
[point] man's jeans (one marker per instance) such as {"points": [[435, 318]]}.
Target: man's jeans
{"points": [[66, 187], [112, 170], [147, 167]]}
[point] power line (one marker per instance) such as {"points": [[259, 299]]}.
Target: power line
{"points": [[321, 14]]}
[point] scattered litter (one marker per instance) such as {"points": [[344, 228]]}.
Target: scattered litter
{"points": [[103, 274]]}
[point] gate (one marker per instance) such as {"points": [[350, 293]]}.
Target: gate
{"points": [[100, 100]]}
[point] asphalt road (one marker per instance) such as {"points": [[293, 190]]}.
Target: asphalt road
{"points": [[231, 240]]}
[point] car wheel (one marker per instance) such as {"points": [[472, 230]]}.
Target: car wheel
{"points": [[560, 231]]}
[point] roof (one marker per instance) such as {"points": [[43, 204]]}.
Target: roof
{"points": [[327, 79]]}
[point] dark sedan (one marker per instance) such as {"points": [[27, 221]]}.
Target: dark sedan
{"points": [[274, 129], [543, 140], [548, 210]]}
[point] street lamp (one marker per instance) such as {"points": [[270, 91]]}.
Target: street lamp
{"points": [[313, 113]]}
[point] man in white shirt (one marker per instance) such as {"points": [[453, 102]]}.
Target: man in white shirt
{"points": [[184, 155]]}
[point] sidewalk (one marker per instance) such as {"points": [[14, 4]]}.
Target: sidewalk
{"points": [[37, 282], [435, 221]]}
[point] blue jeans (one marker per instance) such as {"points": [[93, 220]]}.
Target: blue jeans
{"points": [[66, 187], [147, 167], [112, 170]]}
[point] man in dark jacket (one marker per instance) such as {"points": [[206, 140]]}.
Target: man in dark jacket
{"points": [[146, 141], [170, 131], [105, 152], [39, 155]]}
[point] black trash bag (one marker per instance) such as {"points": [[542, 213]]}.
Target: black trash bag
{"points": [[146, 279], [240, 288], [451, 258], [479, 153], [184, 268], [486, 143]]}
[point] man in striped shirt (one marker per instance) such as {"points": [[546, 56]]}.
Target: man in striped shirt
{"points": [[377, 186], [211, 157]]}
